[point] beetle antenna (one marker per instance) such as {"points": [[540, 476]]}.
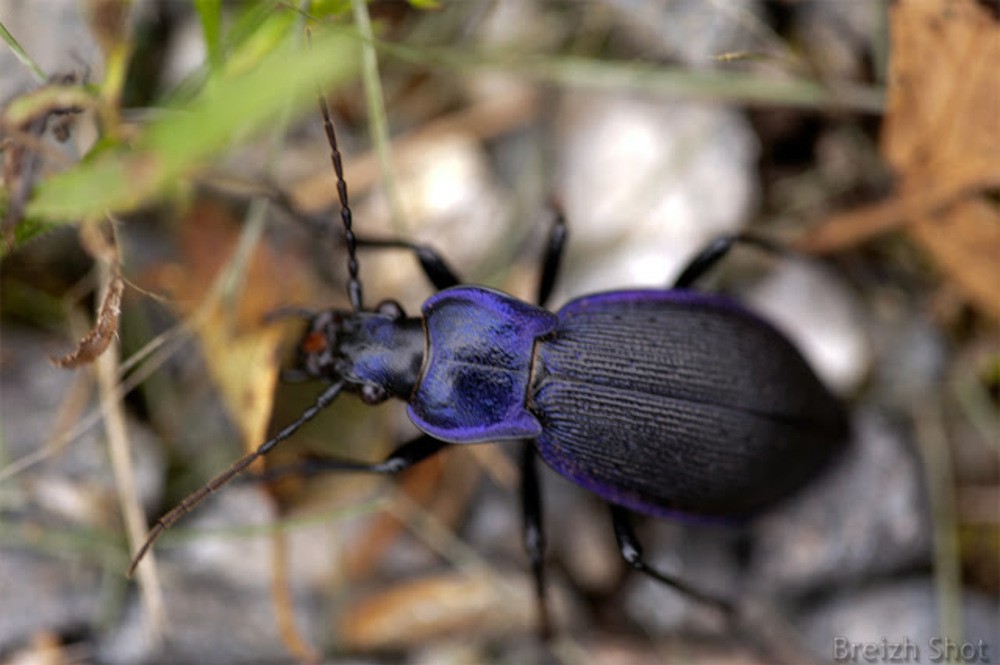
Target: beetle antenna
{"points": [[187, 505], [354, 284]]}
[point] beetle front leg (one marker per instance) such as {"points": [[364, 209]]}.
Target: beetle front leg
{"points": [[534, 533], [407, 455], [631, 551], [432, 263]]}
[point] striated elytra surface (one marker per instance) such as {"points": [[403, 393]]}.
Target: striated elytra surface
{"points": [[676, 403]]}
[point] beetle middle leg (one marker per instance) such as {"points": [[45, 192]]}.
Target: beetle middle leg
{"points": [[534, 533], [553, 256], [715, 251], [531, 496], [442, 276], [631, 551]]}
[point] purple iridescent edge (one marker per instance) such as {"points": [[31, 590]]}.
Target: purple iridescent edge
{"points": [[677, 296], [638, 505]]}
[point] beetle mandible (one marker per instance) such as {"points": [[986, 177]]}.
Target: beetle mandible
{"points": [[671, 402]]}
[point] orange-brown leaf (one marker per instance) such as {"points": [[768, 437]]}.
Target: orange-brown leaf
{"points": [[241, 352], [942, 137]]}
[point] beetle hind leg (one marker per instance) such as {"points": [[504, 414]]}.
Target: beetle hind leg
{"points": [[631, 551]]}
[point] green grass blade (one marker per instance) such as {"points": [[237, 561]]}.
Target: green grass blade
{"points": [[176, 145], [710, 85], [210, 13], [22, 55]]}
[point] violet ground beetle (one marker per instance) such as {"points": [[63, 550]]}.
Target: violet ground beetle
{"points": [[670, 402]]}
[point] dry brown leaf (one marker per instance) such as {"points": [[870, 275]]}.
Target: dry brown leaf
{"points": [[284, 604], [380, 533], [852, 227], [943, 130], [965, 240], [436, 608], [241, 352], [103, 248], [943, 106], [942, 136], [442, 485]]}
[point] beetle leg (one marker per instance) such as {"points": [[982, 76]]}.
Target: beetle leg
{"points": [[553, 255], [715, 251], [407, 455], [631, 551], [433, 264], [534, 533]]}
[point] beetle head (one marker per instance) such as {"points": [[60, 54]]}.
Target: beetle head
{"points": [[377, 353]]}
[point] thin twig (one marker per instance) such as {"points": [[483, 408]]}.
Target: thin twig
{"points": [[932, 441], [121, 465]]}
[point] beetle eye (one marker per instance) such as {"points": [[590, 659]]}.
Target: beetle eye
{"points": [[315, 342], [372, 394], [390, 308]]}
